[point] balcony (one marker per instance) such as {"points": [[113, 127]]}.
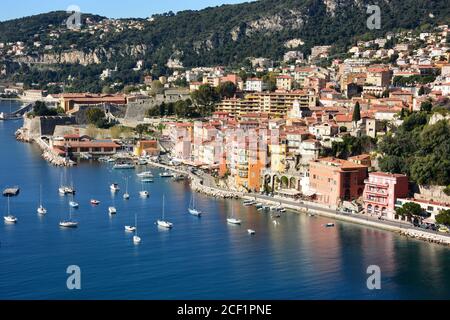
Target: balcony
{"points": [[376, 184], [380, 201], [379, 192]]}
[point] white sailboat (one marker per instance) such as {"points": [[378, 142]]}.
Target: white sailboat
{"points": [[136, 238], [126, 195], [233, 220], [144, 193], [163, 223], [10, 218], [41, 210], [192, 210], [69, 223], [114, 187]]}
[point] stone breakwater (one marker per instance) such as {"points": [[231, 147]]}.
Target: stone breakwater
{"points": [[198, 187], [427, 236], [47, 153]]}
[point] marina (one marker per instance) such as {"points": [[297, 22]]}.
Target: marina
{"points": [[292, 257]]}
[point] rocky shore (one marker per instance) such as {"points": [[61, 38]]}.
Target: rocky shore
{"points": [[48, 154], [198, 187]]}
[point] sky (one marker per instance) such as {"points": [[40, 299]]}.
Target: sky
{"points": [[11, 9]]}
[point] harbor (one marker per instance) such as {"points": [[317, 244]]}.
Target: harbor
{"points": [[205, 257]]}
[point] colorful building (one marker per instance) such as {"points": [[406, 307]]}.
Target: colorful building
{"points": [[335, 180], [381, 192]]}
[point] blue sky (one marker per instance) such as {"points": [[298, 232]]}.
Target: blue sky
{"points": [[10, 9]]}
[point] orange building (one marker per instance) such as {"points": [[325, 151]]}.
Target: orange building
{"points": [[335, 180], [69, 100]]}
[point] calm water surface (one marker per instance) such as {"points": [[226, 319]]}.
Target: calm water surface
{"points": [[200, 258]]}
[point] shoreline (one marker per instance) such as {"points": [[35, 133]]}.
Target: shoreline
{"points": [[304, 207]]}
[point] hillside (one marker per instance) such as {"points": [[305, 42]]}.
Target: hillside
{"points": [[223, 35]]}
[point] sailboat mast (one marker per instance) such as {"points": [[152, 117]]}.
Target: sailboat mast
{"points": [[164, 201]]}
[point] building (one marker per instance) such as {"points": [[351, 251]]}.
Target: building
{"points": [[255, 85], [335, 180], [284, 82], [381, 192], [68, 101], [75, 145], [147, 148]]}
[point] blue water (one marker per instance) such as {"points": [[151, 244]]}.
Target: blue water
{"points": [[200, 258]]}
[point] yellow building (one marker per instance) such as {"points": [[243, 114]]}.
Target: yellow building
{"points": [[278, 157]]}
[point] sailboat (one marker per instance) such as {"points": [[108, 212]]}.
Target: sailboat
{"points": [[69, 223], [41, 210], [126, 195], [233, 220], [163, 223], [114, 187], [192, 210], [10, 218], [136, 238], [112, 209]]}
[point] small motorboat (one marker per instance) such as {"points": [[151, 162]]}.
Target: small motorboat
{"points": [[281, 209], [147, 180], [251, 232], [142, 162], [130, 228], [112, 210], [66, 190], [136, 240], [166, 174], [248, 203], [234, 221], [114, 187], [95, 202], [68, 224], [145, 174], [10, 219], [74, 204], [123, 166], [144, 194], [329, 225]]}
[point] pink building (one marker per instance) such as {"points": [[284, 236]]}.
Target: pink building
{"points": [[381, 191]]}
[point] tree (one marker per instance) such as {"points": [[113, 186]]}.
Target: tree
{"points": [[343, 129], [40, 109], [204, 98], [443, 217], [410, 210], [226, 89], [426, 106], [141, 129], [421, 91], [356, 113], [98, 118], [157, 86]]}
